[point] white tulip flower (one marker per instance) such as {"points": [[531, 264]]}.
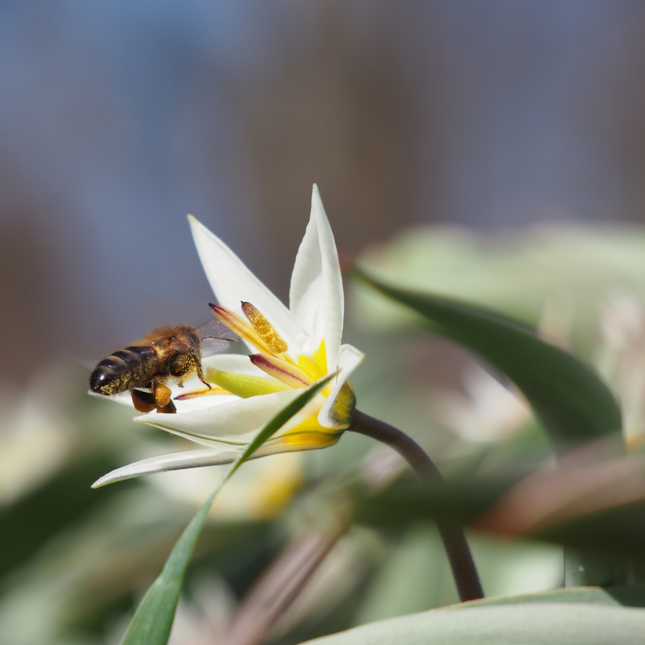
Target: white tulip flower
{"points": [[292, 348]]}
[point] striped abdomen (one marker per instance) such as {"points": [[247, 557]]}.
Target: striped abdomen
{"points": [[133, 366]]}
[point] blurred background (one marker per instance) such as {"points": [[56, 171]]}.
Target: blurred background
{"points": [[484, 120], [117, 120]]}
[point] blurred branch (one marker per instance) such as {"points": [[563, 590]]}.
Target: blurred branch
{"points": [[452, 535], [277, 589]]}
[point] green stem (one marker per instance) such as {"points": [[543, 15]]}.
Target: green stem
{"points": [[452, 535]]}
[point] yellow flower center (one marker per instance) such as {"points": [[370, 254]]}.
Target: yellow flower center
{"points": [[283, 373]]}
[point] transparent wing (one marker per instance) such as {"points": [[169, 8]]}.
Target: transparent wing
{"points": [[216, 338], [211, 345]]}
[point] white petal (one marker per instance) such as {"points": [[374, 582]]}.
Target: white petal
{"points": [[192, 459], [238, 363], [171, 461], [233, 282], [349, 358], [188, 405], [202, 402], [234, 423], [316, 295], [306, 299]]}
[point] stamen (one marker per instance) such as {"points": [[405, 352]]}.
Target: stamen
{"points": [[285, 372], [264, 329], [205, 391], [244, 385], [240, 327]]}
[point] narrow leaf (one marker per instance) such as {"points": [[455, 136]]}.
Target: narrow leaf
{"points": [[570, 400], [153, 619]]}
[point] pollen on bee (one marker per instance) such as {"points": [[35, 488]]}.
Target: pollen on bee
{"points": [[264, 329]]}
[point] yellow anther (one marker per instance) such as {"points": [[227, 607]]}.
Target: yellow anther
{"points": [[264, 329], [239, 326]]}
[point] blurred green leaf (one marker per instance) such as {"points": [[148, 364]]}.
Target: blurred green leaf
{"points": [[29, 522], [575, 267], [508, 624], [570, 400], [415, 576], [633, 596], [598, 506], [153, 619], [407, 502]]}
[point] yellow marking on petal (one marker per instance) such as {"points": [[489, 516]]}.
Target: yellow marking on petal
{"points": [[320, 358], [309, 367], [306, 435], [243, 385], [343, 409], [306, 440], [264, 329], [285, 372], [315, 365], [193, 394], [310, 426], [239, 326]]}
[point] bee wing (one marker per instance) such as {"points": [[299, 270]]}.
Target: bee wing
{"points": [[215, 328], [216, 337], [215, 345]]}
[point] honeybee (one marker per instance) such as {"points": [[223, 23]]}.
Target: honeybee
{"points": [[168, 353]]}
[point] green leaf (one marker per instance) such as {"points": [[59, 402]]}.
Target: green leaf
{"points": [[529, 624], [570, 400], [633, 596], [406, 502], [603, 517], [153, 619]]}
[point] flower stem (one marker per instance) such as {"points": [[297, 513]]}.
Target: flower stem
{"points": [[452, 535]]}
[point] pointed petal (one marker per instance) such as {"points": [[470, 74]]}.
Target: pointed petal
{"points": [[171, 461], [316, 296], [232, 282], [234, 423], [214, 456], [349, 358]]}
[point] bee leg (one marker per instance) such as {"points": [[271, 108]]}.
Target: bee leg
{"points": [[161, 395], [143, 401], [168, 409], [200, 373]]}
